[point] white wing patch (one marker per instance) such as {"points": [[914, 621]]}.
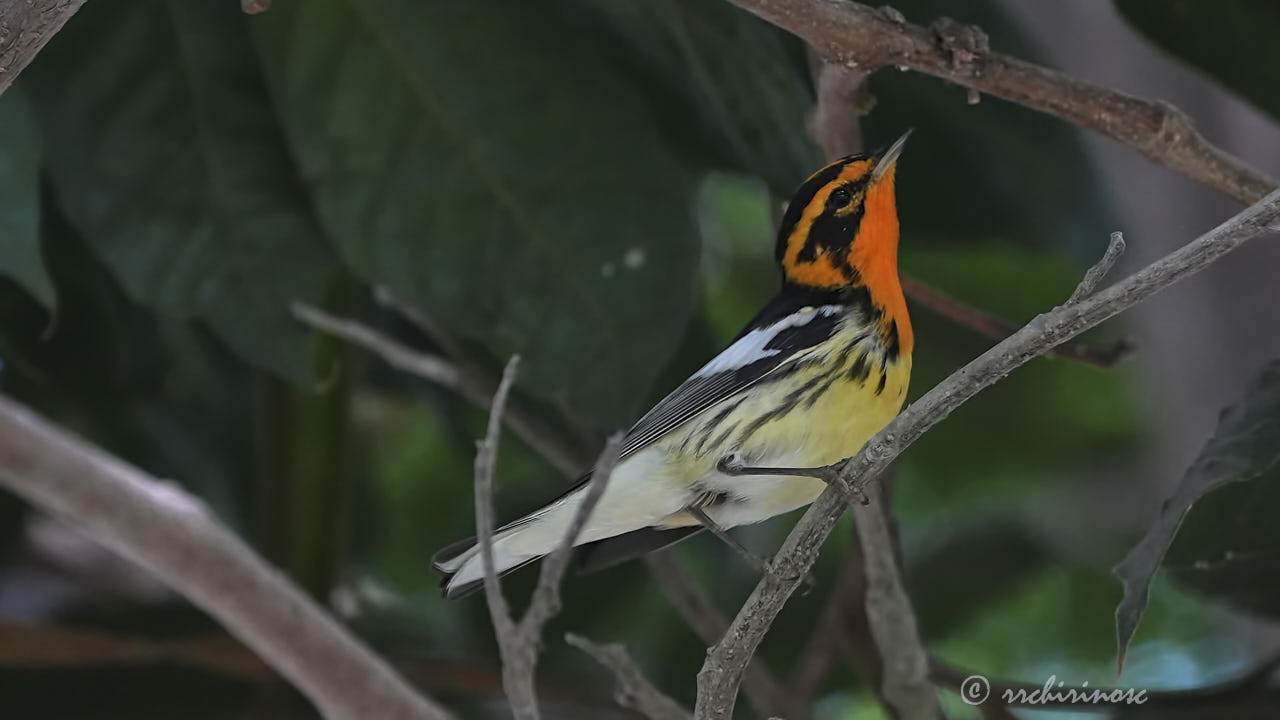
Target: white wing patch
{"points": [[752, 347]]}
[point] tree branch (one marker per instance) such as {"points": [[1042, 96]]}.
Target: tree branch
{"points": [[763, 691], [905, 684], [464, 379], [634, 690], [867, 39], [169, 532], [996, 328], [518, 644], [697, 609], [721, 674], [1089, 283], [25, 26]]}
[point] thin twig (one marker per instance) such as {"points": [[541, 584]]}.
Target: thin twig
{"points": [[905, 663], [401, 357], [465, 379], [546, 596], [997, 328], [694, 605], [867, 39], [634, 690], [170, 533], [418, 319], [767, 696], [518, 643], [721, 674], [518, 685], [842, 96], [1096, 274], [841, 631]]}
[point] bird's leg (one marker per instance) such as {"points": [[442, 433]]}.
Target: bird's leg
{"points": [[758, 563], [829, 474]]}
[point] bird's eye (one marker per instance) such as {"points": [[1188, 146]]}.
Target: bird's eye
{"points": [[840, 197]]}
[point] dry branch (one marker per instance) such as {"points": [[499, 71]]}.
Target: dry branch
{"points": [[518, 644], [25, 26], [905, 683], [169, 532], [634, 690], [996, 328], [721, 674], [1096, 274], [867, 40], [697, 608], [461, 378]]}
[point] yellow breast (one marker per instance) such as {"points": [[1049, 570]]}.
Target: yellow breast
{"points": [[821, 408]]}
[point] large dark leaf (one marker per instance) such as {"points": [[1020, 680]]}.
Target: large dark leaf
{"points": [[481, 162], [19, 197], [163, 152], [1245, 447], [1233, 41], [733, 90]]}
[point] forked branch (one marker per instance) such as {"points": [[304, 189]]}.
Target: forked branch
{"points": [[160, 526], [867, 39], [518, 643]]}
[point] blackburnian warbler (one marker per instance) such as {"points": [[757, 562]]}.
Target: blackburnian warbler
{"points": [[822, 368]]}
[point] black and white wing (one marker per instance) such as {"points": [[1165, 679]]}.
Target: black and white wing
{"points": [[767, 345]]}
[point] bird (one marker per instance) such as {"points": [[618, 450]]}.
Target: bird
{"points": [[816, 373]]}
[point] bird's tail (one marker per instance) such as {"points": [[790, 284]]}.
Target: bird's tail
{"points": [[461, 569]]}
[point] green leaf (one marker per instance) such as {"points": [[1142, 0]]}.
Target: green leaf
{"points": [[479, 160], [1245, 446], [732, 88], [20, 257], [163, 152], [1228, 548], [1234, 42]]}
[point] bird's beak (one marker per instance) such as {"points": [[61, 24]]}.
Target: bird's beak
{"points": [[889, 157]]}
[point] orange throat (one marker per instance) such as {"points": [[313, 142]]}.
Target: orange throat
{"points": [[874, 254]]}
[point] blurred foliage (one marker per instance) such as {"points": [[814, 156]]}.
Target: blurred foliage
{"points": [[591, 184], [162, 151], [544, 165], [1232, 41], [20, 198], [1228, 546], [1245, 448]]}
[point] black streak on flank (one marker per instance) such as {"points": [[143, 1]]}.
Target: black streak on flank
{"points": [[711, 425], [787, 405], [718, 443], [720, 416], [831, 378], [891, 349], [884, 377], [861, 369]]}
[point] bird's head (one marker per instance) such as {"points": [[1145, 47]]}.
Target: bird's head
{"points": [[841, 227]]}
